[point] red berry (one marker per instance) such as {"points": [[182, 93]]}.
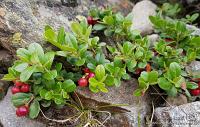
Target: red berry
{"points": [[195, 92], [18, 83], [22, 111], [86, 70], [82, 82], [25, 88], [91, 75], [91, 20], [15, 90]]}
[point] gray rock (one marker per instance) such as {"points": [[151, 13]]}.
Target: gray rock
{"points": [[196, 31], [137, 107], [28, 18], [141, 12], [193, 68], [153, 39], [186, 115], [176, 101], [8, 117]]}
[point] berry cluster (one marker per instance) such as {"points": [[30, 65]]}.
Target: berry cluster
{"points": [[23, 88], [20, 87], [83, 82]]}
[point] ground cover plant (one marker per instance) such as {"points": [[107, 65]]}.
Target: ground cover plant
{"points": [[40, 80]]}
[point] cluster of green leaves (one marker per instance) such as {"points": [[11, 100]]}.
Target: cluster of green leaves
{"points": [[76, 46], [189, 19], [145, 80], [51, 83], [172, 55], [173, 29], [87, 52], [171, 10], [48, 84], [172, 81], [181, 36], [135, 55], [112, 23]]}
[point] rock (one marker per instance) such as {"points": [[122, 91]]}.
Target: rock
{"points": [[186, 115], [8, 117], [191, 1], [196, 31], [3, 87], [153, 39], [137, 107], [193, 68], [176, 101], [25, 20], [141, 12], [6, 60]]}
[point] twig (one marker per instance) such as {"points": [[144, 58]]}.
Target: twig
{"points": [[162, 96], [79, 100], [59, 121], [151, 121]]}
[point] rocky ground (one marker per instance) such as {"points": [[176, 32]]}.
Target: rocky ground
{"points": [[22, 22]]}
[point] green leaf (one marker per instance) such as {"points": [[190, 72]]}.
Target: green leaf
{"points": [[36, 48], [93, 83], [99, 27], [73, 41], [61, 35], [9, 77], [142, 64], [50, 75], [58, 67], [34, 109], [69, 85], [195, 42], [100, 72], [23, 54], [48, 59], [131, 64], [153, 77], [126, 77], [48, 95], [80, 62], [26, 74], [91, 66], [20, 67], [109, 80], [191, 85], [61, 53], [138, 92], [103, 89], [178, 81], [119, 17], [117, 82], [43, 93], [76, 28], [164, 84], [108, 32], [108, 20], [174, 70], [172, 92], [20, 99]]}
